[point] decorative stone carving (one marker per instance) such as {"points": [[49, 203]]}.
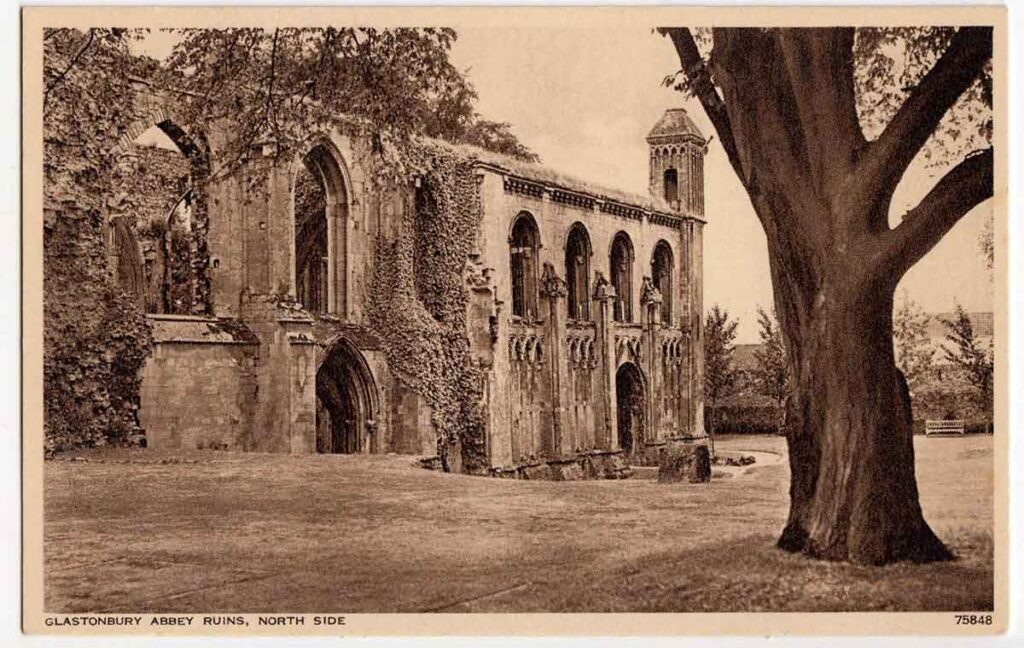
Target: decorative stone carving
{"points": [[649, 293], [602, 288], [526, 348], [477, 276], [552, 286]]}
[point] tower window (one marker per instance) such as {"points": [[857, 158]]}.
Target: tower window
{"points": [[671, 185]]}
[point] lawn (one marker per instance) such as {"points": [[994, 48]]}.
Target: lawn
{"points": [[130, 531]]}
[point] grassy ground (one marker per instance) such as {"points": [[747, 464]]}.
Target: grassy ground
{"points": [[202, 531]]}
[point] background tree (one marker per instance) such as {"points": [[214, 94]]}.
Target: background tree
{"points": [[772, 377], [719, 373], [914, 353], [820, 125], [973, 358], [286, 86]]}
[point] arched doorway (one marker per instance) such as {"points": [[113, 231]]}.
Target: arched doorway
{"points": [[130, 269], [346, 402], [631, 401]]}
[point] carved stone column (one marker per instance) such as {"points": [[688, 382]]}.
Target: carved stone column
{"points": [[697, 326], [553, 291], [604, 345], [650, 303], [482, 310]]}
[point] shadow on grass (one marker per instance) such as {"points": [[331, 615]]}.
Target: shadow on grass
{"points": [[752, 575]]}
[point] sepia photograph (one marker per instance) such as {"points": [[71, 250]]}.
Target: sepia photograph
{"points": [[344, 313]]}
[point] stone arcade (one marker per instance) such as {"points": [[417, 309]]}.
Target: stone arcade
{"points": [[583, 312]]}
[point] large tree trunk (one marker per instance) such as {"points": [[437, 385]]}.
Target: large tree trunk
{"points": [[853, 494]]}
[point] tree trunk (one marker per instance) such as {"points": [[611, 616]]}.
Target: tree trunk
{"points": [[853, 494]]}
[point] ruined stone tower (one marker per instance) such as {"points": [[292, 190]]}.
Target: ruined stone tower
{"points": [[677, 162]]}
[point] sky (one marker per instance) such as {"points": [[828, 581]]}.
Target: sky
{"points": [[584, 100]]}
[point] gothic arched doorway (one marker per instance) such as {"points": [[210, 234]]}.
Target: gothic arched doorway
{"points": [[346, 402], [630, 401]]}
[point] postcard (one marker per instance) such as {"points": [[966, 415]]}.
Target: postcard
{"points": [[515, 321]]}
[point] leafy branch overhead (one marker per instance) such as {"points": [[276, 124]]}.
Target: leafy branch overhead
{"points": [[871, 102], [284, 86]]}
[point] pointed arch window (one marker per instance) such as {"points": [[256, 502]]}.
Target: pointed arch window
{"points": [[321, 199], [577, 273], [663, 267], [524, 245], [622, 277]]}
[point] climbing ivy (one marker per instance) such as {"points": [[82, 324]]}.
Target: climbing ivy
{"points": [[95, 338], [419, 298]]}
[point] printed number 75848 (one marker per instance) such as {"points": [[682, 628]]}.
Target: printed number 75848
{"points": [[973, 619]]}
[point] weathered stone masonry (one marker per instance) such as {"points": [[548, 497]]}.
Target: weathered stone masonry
{"points": [[578, 309]]}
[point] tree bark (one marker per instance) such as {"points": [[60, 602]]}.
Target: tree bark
{"points": [[853, 493]]}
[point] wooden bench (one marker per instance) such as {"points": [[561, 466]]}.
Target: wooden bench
{"points": [[952, 426]]}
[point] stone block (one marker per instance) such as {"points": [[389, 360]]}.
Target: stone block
{"points": [[685, 463], [566, 470], [617, 466], [505, 472], [606, 465], [649, 454], [536, 471]]}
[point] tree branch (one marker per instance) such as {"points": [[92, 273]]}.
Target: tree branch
{"points": [[888, 157], [696, 71], [819, 65], [271, 113], [966, 186]]}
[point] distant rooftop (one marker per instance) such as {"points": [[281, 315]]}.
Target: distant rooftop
{"points": [[674, 123]]}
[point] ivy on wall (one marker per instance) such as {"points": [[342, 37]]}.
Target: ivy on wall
{"points": [[419, 297], [95, 338]]}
